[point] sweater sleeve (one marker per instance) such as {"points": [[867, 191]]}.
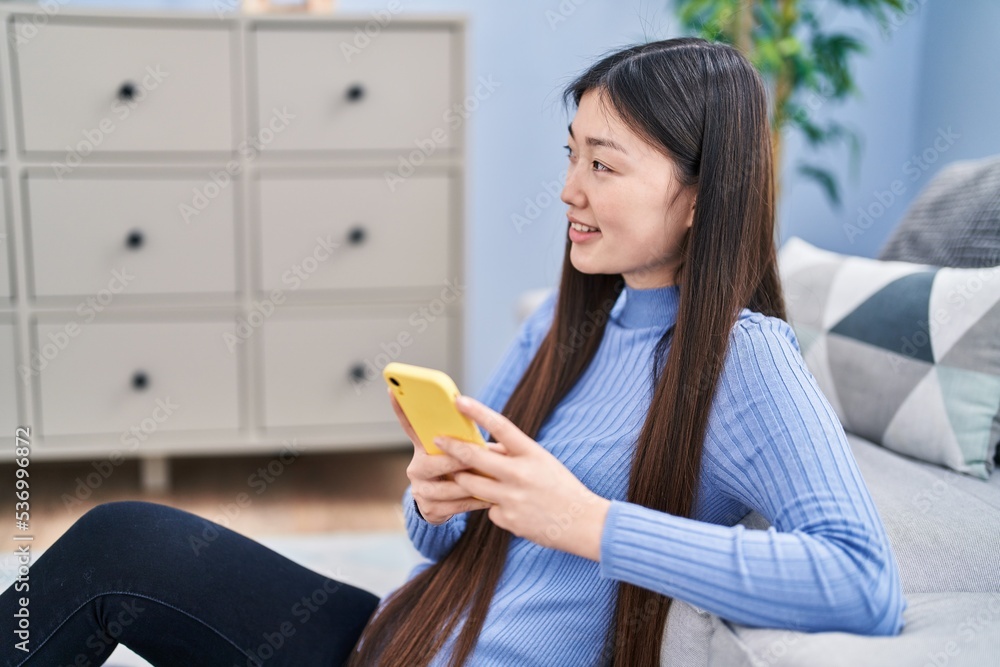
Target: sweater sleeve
{"points": [[434, 541], [775, 445]]}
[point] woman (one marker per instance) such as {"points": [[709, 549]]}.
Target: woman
{"points": [[645, 407]]}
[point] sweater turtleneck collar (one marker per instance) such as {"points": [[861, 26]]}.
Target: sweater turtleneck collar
{"points": [[649, 307]]}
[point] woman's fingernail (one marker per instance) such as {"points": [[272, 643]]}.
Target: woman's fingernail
{"points": [[463, 401], [438, 440]]}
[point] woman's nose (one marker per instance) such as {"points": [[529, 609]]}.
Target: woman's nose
{"points": [[571, 193]]}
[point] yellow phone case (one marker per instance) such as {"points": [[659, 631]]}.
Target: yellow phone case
{"points": [[427, 397]]}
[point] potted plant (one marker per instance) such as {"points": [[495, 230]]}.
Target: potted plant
{"points": [[803, 65]]}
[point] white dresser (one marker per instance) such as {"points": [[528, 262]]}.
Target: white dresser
{"points": [[220, 228]]}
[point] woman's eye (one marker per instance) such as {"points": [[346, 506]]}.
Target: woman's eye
{"points": [[571, 156]]}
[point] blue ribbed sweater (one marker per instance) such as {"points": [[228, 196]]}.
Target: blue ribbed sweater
{"points": [[773, 444]]}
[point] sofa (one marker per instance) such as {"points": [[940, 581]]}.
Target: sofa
{"points": [[944, 525]]}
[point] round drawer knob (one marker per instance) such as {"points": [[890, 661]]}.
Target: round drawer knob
{"points": [[356, 236], [355, 92], [127, 91], [140, 380], [357, 373], [134, 240]]}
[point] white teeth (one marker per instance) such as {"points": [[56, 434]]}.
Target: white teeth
{"points": [[582, 228]]}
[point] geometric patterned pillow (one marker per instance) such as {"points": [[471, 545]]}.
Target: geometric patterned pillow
{"points": [[907, 354]]}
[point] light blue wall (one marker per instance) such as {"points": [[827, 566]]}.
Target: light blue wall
{"points": [[960, 79], [534, 47]]}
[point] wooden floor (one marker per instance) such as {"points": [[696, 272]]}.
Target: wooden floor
{"points": [[254, 495]]}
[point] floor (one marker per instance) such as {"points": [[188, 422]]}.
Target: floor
{"points": [[337, 513], [313, 493]]}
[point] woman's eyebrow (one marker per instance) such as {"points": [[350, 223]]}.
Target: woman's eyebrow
{"points": [[600, 141]]}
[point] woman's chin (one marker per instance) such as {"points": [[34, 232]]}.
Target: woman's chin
{"points": [[585, 264]]}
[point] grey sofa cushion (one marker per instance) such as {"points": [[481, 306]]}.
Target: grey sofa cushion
{"points": [[942, 525], [944, 537], [953, 629], [954, 221], [989, 492], [943, 529], [688, 635]]}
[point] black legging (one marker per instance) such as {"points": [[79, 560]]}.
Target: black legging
{"points": [[178, 590]]}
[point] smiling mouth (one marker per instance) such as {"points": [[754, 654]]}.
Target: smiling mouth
{"points": [[583, 228]]}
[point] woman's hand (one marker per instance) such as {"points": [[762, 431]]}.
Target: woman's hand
{"points": [[534, 495], [438, 496]]}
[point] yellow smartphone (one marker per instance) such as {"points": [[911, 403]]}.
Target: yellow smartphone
{"points": [[427, 397]]}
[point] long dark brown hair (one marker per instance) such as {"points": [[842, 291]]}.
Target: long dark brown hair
{"points": [[703, 105]]}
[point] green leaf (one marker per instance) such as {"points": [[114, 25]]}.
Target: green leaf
{"points": [[788, 43], [788, 46], [825, 180]]}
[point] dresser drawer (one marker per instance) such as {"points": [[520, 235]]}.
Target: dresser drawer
{"points": [[328, 370], [344, 233], [393, 93], [6, 288], [8, 382], [146, 377], [128, 236], [92, 87]]}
